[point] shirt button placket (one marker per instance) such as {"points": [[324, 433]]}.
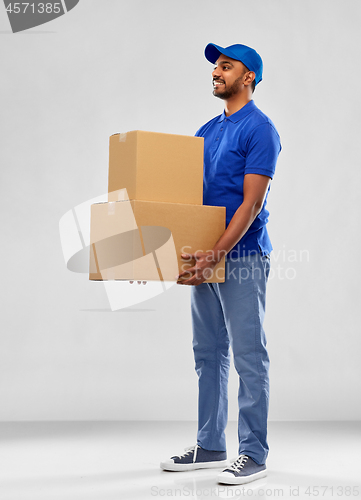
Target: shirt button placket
{"points": [[220, 130], [219, 134]]}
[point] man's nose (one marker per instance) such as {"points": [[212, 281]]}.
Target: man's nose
{"points": [[216, 73]]}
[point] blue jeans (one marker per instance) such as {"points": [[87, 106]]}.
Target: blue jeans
{"points": [[231, 314]]}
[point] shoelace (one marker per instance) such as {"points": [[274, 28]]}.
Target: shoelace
{"points": [[239, 463], [189, 450]]}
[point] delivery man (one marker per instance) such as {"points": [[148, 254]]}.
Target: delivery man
{"points": [[241, 147]]}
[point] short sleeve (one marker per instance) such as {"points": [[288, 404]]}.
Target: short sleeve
{"points": [[263, 148]]}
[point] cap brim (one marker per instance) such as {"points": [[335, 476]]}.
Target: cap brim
{"points": [[212, 52]]}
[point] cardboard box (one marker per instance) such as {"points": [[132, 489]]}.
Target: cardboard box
{"points": [[143, 240], [156, 167]]}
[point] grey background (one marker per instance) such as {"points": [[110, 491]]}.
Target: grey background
{"points": [[117, 66]]}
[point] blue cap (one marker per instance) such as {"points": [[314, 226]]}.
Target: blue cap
{"points": [[249, 57]]}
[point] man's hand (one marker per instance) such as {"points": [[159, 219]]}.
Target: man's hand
{"points": [[255, 188], [202, 270]]}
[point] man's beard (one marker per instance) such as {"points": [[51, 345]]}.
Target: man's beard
{"points": [[233, 90]]}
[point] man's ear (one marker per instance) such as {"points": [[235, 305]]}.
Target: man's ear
{"points": [[249, 77]]}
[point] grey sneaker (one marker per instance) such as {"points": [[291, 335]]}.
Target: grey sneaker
{"points": [[196, 457], [242, 471]]}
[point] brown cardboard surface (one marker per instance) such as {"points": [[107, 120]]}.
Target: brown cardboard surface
{"points": [[156, 167], [133, 240]]}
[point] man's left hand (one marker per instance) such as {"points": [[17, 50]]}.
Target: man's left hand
{"points": [[201, 271]]}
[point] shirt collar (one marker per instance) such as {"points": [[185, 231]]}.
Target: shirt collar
{"points": [[240, 114]]}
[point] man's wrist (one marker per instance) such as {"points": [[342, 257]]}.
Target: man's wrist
{"points": [[217, 255]]}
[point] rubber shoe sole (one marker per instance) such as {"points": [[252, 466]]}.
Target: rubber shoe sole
{"points": [[171, 466], [229, 478]]}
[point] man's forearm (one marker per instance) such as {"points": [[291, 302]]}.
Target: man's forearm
{"points": [[236, 229]]}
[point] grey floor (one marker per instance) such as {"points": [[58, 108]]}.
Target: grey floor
{"points": [[120, 460]]}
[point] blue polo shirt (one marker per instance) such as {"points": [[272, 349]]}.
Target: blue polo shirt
{"points": [[246, 142]]}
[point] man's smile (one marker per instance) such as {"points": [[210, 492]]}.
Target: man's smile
{"points": [[217, 83]]}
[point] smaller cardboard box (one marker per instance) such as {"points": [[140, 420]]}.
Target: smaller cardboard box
{"points": [[156, 167], [143, 240]]}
